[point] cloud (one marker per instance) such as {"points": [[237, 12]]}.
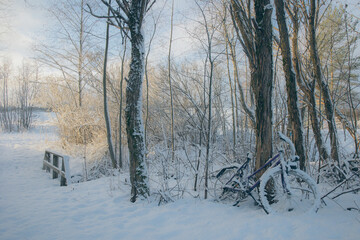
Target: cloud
{"points": [[25, 19]]}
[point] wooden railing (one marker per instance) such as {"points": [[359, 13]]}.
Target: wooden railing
{"points": [[57, 165]]}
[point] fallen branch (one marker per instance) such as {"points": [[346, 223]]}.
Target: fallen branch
{"points": [[349, 191], [347, 179]]}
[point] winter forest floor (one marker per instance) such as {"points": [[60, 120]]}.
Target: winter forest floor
{"points": [[33, 206]]}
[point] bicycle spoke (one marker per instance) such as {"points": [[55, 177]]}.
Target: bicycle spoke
{"points": [[297, 194]]}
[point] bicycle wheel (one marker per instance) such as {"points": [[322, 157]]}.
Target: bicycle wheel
{"points": [[298, 195], [225, 192]]}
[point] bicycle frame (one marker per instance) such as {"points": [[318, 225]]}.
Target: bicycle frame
{"points": [[261, 168], [281, 185], [271, 161]]}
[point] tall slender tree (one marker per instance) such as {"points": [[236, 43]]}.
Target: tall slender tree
{"points": [[70, 51], [292, 98], [106, 110], [129, 17], [312, 15], [170, 83], [121, 103], [209, 31], [306, 86]]}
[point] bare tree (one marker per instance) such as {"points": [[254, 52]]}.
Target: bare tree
{"points": [[129, 17], [233, 98], [170, 83], [121, 103], [352, 105], [18, 96], [255, 36], [7, 117], [209, 35], [70, 51], [292, 98], [306, 85], [106, 111], [312, 15], [28, 81], [210, 27], [231, 46]]}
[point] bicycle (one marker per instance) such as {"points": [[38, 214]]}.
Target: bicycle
{"points": [[282, 188]]}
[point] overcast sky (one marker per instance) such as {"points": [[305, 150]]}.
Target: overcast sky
{"points": [[24, 22]]}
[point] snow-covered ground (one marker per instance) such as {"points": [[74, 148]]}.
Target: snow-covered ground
{"points": [[33, 206]]}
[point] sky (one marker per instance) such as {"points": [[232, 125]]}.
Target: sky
{"points": [[27, 21], [24, 22]]}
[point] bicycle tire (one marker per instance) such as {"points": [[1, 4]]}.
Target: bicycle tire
{"points": [[300, 196], [221, 193]]}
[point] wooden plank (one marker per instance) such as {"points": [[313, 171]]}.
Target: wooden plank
{"points": [[57, 165], [55, 169]]}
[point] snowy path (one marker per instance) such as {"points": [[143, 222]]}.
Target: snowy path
{"points": [[33, 206]]}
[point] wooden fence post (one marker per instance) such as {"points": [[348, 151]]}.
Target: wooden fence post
{"points": [[57, 165]]}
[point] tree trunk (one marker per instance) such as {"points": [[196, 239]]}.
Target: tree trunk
{"points": [[232, 92], [133, 110], [80, 59], [147, 82], [262, 83], [315, 124], [121, 105], [248, 110], [292, 99], [307, 88], [258, 50], [329, 108], [353, 115], [209, 130], [209, 126], [232, 99], [170, 84], [106, 111]]}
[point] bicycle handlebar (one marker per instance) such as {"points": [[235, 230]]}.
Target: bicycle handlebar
{"points": [[288, 141]]}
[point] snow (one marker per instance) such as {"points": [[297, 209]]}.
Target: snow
{"points": [[34, 206], [268, 7], [289, 142]]}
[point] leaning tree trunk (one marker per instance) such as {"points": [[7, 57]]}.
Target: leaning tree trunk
{"points": [[308, 88], [329, 108], [133, 110], [262, 83], [292, 100], [106, 111], [315, 124]]}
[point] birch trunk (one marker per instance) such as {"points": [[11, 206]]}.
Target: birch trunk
{"points": [[133, 110]]}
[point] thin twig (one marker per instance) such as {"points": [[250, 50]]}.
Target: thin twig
{"points": [[349, 191], [337, 186]]}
